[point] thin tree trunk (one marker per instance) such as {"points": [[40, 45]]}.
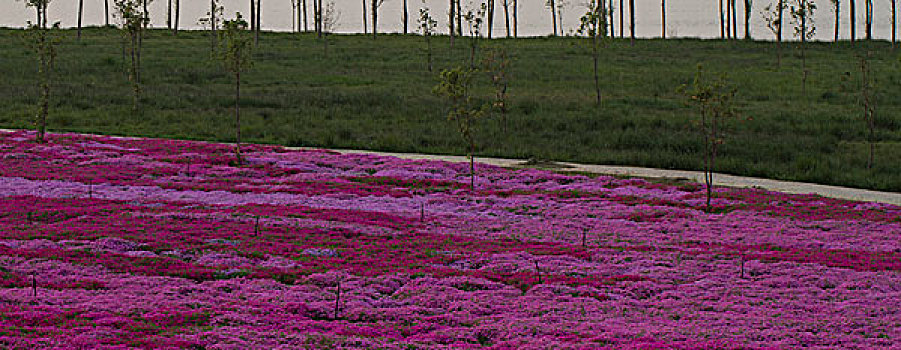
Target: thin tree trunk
{"points": [[168, 14], [306, 20], [213, 24], [554, 15], [837, 20], [472, 166], [256, 34], [450, 23], [747, 19], [734, 20], [622, 21], [375, 18], [490, 17], [728, 19], [663, 19], [406, 17], [253, 15], [177, 12], [597, 84], [632, 22], [106, 12], [515, 18], [507, 16], [459, 18], [723, 23], [146, 15], [238, 116], [610, 12], [80, 15], [853, 18], [868, 4]]}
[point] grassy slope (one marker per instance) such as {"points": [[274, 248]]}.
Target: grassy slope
{"points": [[377, 95]]}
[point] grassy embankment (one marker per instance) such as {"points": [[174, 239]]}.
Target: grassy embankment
{"points": [[377, 95]]}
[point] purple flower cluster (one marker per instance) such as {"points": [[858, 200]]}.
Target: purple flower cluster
{"points": [[140, 243]]}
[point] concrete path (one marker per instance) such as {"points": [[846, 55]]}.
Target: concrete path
{"points": [[695, 176]]}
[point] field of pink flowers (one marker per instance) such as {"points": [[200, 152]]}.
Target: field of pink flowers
{"points": [[139, 243]]}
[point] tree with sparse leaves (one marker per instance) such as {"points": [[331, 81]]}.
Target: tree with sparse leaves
{"points": [[868, 102], [330, 17], [475, 20], [235, 50], [133, 22], [427, 26], [455, 85], [802, 15], [44, 42], [714, 99], [773, 15], [497, 65], [594, 26]]}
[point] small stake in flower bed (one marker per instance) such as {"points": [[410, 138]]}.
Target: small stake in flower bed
{"points": [[256, 227], [422, 212], [337, 299], [538, 270], [34, 286], [742, 273], [584, 232]]}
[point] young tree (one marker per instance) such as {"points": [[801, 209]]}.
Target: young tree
{"points": [[497, 65], [213, 20], [43, 42], [329, 20], [868, 102], [594, 27], [714, 101], [475, 20], [106, 12], [132, 22], [375, 16], [455, 85], [802, 14], [235, 54], [772, 15], [427, 26], [551, 5]]}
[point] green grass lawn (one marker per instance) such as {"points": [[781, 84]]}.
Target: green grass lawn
{"points": [[377, 95]]}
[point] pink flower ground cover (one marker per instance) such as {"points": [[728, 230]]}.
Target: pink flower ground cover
{"points": [[138, 243]]}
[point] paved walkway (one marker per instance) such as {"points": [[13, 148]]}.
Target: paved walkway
{"points": [[696, 176]]}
